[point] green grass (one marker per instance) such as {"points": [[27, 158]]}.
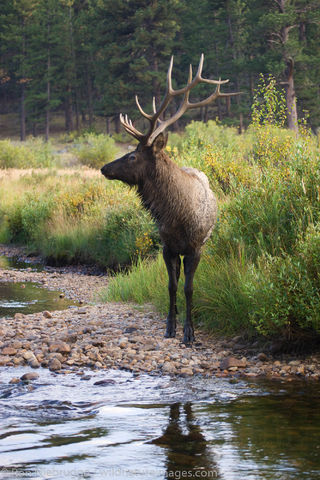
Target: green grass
{"points": [[257, 273], [260, 270]]}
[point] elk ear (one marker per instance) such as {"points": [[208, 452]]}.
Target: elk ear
{"points": [[160, 142]]}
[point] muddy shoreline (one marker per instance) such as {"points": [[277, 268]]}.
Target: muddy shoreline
{"points": [[122, 336]]}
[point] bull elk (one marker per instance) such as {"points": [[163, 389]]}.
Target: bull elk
{"points": [[179, 199]]}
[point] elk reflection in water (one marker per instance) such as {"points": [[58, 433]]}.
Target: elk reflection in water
{"points": [[186, 447]]}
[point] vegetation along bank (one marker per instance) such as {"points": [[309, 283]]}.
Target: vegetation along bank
{"points": [[260, 271]]}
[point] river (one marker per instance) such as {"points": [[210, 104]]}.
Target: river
{"points": [[115, 424]]}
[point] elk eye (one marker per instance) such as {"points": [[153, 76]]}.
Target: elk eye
{"points": [[132, 157]]}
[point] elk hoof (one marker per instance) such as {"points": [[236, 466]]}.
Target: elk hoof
{"points": [[188, 335], [170, 334], [170, 331]]}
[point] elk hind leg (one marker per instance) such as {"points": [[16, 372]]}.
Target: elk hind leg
{"points": [[191, 263]]}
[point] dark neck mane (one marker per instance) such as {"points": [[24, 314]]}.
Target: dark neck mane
{"points": [[159, 192]]}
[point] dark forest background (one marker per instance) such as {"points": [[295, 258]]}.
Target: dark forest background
{"points": [[86, 59]]}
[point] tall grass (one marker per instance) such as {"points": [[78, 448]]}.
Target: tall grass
{"points": [[75, 218], [260, 270]]}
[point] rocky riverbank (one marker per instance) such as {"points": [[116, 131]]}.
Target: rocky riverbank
{"points": [[103, 336]]}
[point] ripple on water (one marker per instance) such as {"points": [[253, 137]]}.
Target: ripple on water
{"points": [[144, 426]]}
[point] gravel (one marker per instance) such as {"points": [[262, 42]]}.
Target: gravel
{"points": [[124, 336]]}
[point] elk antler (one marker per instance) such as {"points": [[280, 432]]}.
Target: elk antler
{"points": [[156, 124]]}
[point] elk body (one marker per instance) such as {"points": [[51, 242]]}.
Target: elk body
{"points": [[179, 199]]}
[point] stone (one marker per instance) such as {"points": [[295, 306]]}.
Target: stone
{"points": [[54, 365], [29, 376], [27, 355], [123, 342], [105, 383], [34, 363], [262, 357], [230, 362], [47, 314], [60, 347], [186, 371], [9, 351], [168, 367], [14, 381], [295, 363]]}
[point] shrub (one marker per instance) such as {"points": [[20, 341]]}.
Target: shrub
{"points": [[34, 153], [95, 150], [284, 298]]}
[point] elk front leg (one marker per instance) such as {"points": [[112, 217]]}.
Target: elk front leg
{"points": [[190, 263], [172, 261]]}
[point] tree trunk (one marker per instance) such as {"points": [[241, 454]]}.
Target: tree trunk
{"points": [[117, 123], [234, 56], [108, 125], [47, 129], [220, 116], [155, 81], [89, 93], [241, 123], [74, 73], [68, 111], [291, 100], [22, 114], [23, 88], [206, 114]]}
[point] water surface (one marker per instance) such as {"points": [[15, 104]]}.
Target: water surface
{"points": [[146, 427], [28, 297], [16, 263]]}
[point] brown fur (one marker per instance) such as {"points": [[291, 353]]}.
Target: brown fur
{"points": [[183, 206]]}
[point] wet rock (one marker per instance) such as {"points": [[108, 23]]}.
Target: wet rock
{"points": [[169, 367], [34, 363], [29, 376], [230, 362], [18, 361], [14, 381], [31, 359], [56, 355], [186, 371], [54, 365], [105, 383]]}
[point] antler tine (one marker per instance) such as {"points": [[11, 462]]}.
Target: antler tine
{"points": [[144, 114], [128, 126], [169, 77], [190, 74], [200, 67]]}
